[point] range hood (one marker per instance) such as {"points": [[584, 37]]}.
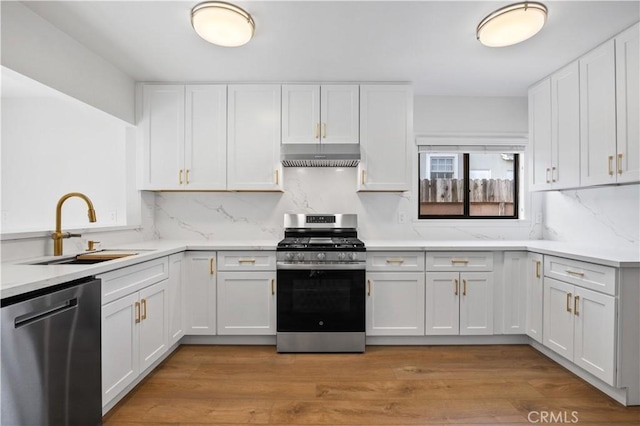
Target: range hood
{"points": [[320, 155]]}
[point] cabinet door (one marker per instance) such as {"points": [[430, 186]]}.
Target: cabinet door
{"points": [[628, 103], [246, 303], [442, 291], [120, 350], [598, 116], [339, 113], [476, 303], [205, 149], [154, 323], [176, 298], [300, 113], [534, 296], [395, 304], [386, 130], [540, 135], [254, 138], [163, 130], [594, 315], [514, 288], [200, 293], [558, 317], [565, 123]]}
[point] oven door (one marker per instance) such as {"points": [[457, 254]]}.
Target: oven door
{"points": [[316, 300]]}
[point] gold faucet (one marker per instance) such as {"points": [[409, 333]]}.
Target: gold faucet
{"points": [[59, 235]]}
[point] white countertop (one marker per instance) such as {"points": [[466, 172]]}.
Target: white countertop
{"points": [[18, 277]]}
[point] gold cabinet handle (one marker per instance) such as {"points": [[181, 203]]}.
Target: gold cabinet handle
{"points": [[537, 269], [137, 306], [180, 177], [576, 273], [316, 131], [455, 291], [252, 261], [547, 175], [395, 261], [277, 177], [144, 309], [610, 165], [368, 287], [187, 177], [619, 164], [212, 266], [568, 302], [273, 284], [454, 261], [576, 301], [362, 176], [464, 287], [324, 130], [553, 170]]}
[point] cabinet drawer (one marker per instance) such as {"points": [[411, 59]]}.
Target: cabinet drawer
{"points": [[246, 261], [395, 261], [119, 283], [589, 275], [459, 261]]}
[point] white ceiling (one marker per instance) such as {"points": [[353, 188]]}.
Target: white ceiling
{"points": [[429, 43]]}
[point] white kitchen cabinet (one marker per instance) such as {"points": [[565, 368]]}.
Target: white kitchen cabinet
{"points": [[253, 126], [185, 139], [598, 116], [628, 104], [200, 293], [554, 129], [459, 303], [320, 113], [386, 132], [395, 304], [534, 296], [134, 336], [514, 290], [246, 303], [176, 297], [579, 324]]}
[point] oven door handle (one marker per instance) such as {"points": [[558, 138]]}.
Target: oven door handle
{"points": [[321, 266]]}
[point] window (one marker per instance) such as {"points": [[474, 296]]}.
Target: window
{"points": [[479, 185]]}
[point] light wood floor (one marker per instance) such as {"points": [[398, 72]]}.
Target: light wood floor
{"points": [[387, 385]]}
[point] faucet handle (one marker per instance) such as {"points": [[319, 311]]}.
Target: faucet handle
{"points": [[92, 245]]}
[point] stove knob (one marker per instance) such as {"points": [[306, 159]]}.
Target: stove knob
{"points": [[321, 256], [342, 256], [352, 256], [288, 256], [300, 257]]}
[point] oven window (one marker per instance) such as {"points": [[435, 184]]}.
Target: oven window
{"points": [[318, 300]]}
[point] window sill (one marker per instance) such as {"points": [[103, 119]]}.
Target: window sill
{"points": [[472, 223]]}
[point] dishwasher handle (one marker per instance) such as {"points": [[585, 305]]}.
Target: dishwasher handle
{"points": [[45, 313]]}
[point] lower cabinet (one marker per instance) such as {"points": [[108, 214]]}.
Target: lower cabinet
{"points": [[514, 288], [134, 335], [534, 296], [200, 293], [395, 304], [579, 324], [459, 303], [176, 298]]}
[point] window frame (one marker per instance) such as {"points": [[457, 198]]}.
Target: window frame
{"points": [[466, 189]]}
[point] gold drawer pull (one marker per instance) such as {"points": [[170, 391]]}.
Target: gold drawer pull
{"points": [[537, 269], [137, 306], [252, 261], [273, 282], [324, 130], [395, 260], [362, 177], [455, 291], [464, 287], [212, 266], [576, 273], [610, 165], [180, 177], [568, 302], [277, 177], [454, 261], [316, 132], [575, 305], [187, 177], [547, 176], [553, 169], [368, 287], [144, 309], [619, 164]]}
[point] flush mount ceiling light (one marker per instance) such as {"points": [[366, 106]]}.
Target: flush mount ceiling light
{"points": [[222, 23], [512, 24]]}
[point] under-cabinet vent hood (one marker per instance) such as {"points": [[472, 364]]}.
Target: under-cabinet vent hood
{"points": [[320, 155]]}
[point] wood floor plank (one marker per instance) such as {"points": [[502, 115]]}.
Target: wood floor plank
{"points": [[387, 385]]}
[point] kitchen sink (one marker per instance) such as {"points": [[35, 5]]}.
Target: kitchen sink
{"points": [[72, 261], [87, 258]]}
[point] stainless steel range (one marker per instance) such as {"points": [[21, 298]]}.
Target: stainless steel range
{"points": [[321, 284]]}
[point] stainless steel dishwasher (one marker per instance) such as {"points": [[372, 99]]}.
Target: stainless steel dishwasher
{"points": [[51, 365]]}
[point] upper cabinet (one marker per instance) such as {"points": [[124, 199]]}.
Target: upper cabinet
{"points": [[185, 137], [386, 131], [253, 161], [554, 129], [320, 113]]}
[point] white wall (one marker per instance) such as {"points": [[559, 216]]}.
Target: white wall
{"points": [[35, 48]]}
